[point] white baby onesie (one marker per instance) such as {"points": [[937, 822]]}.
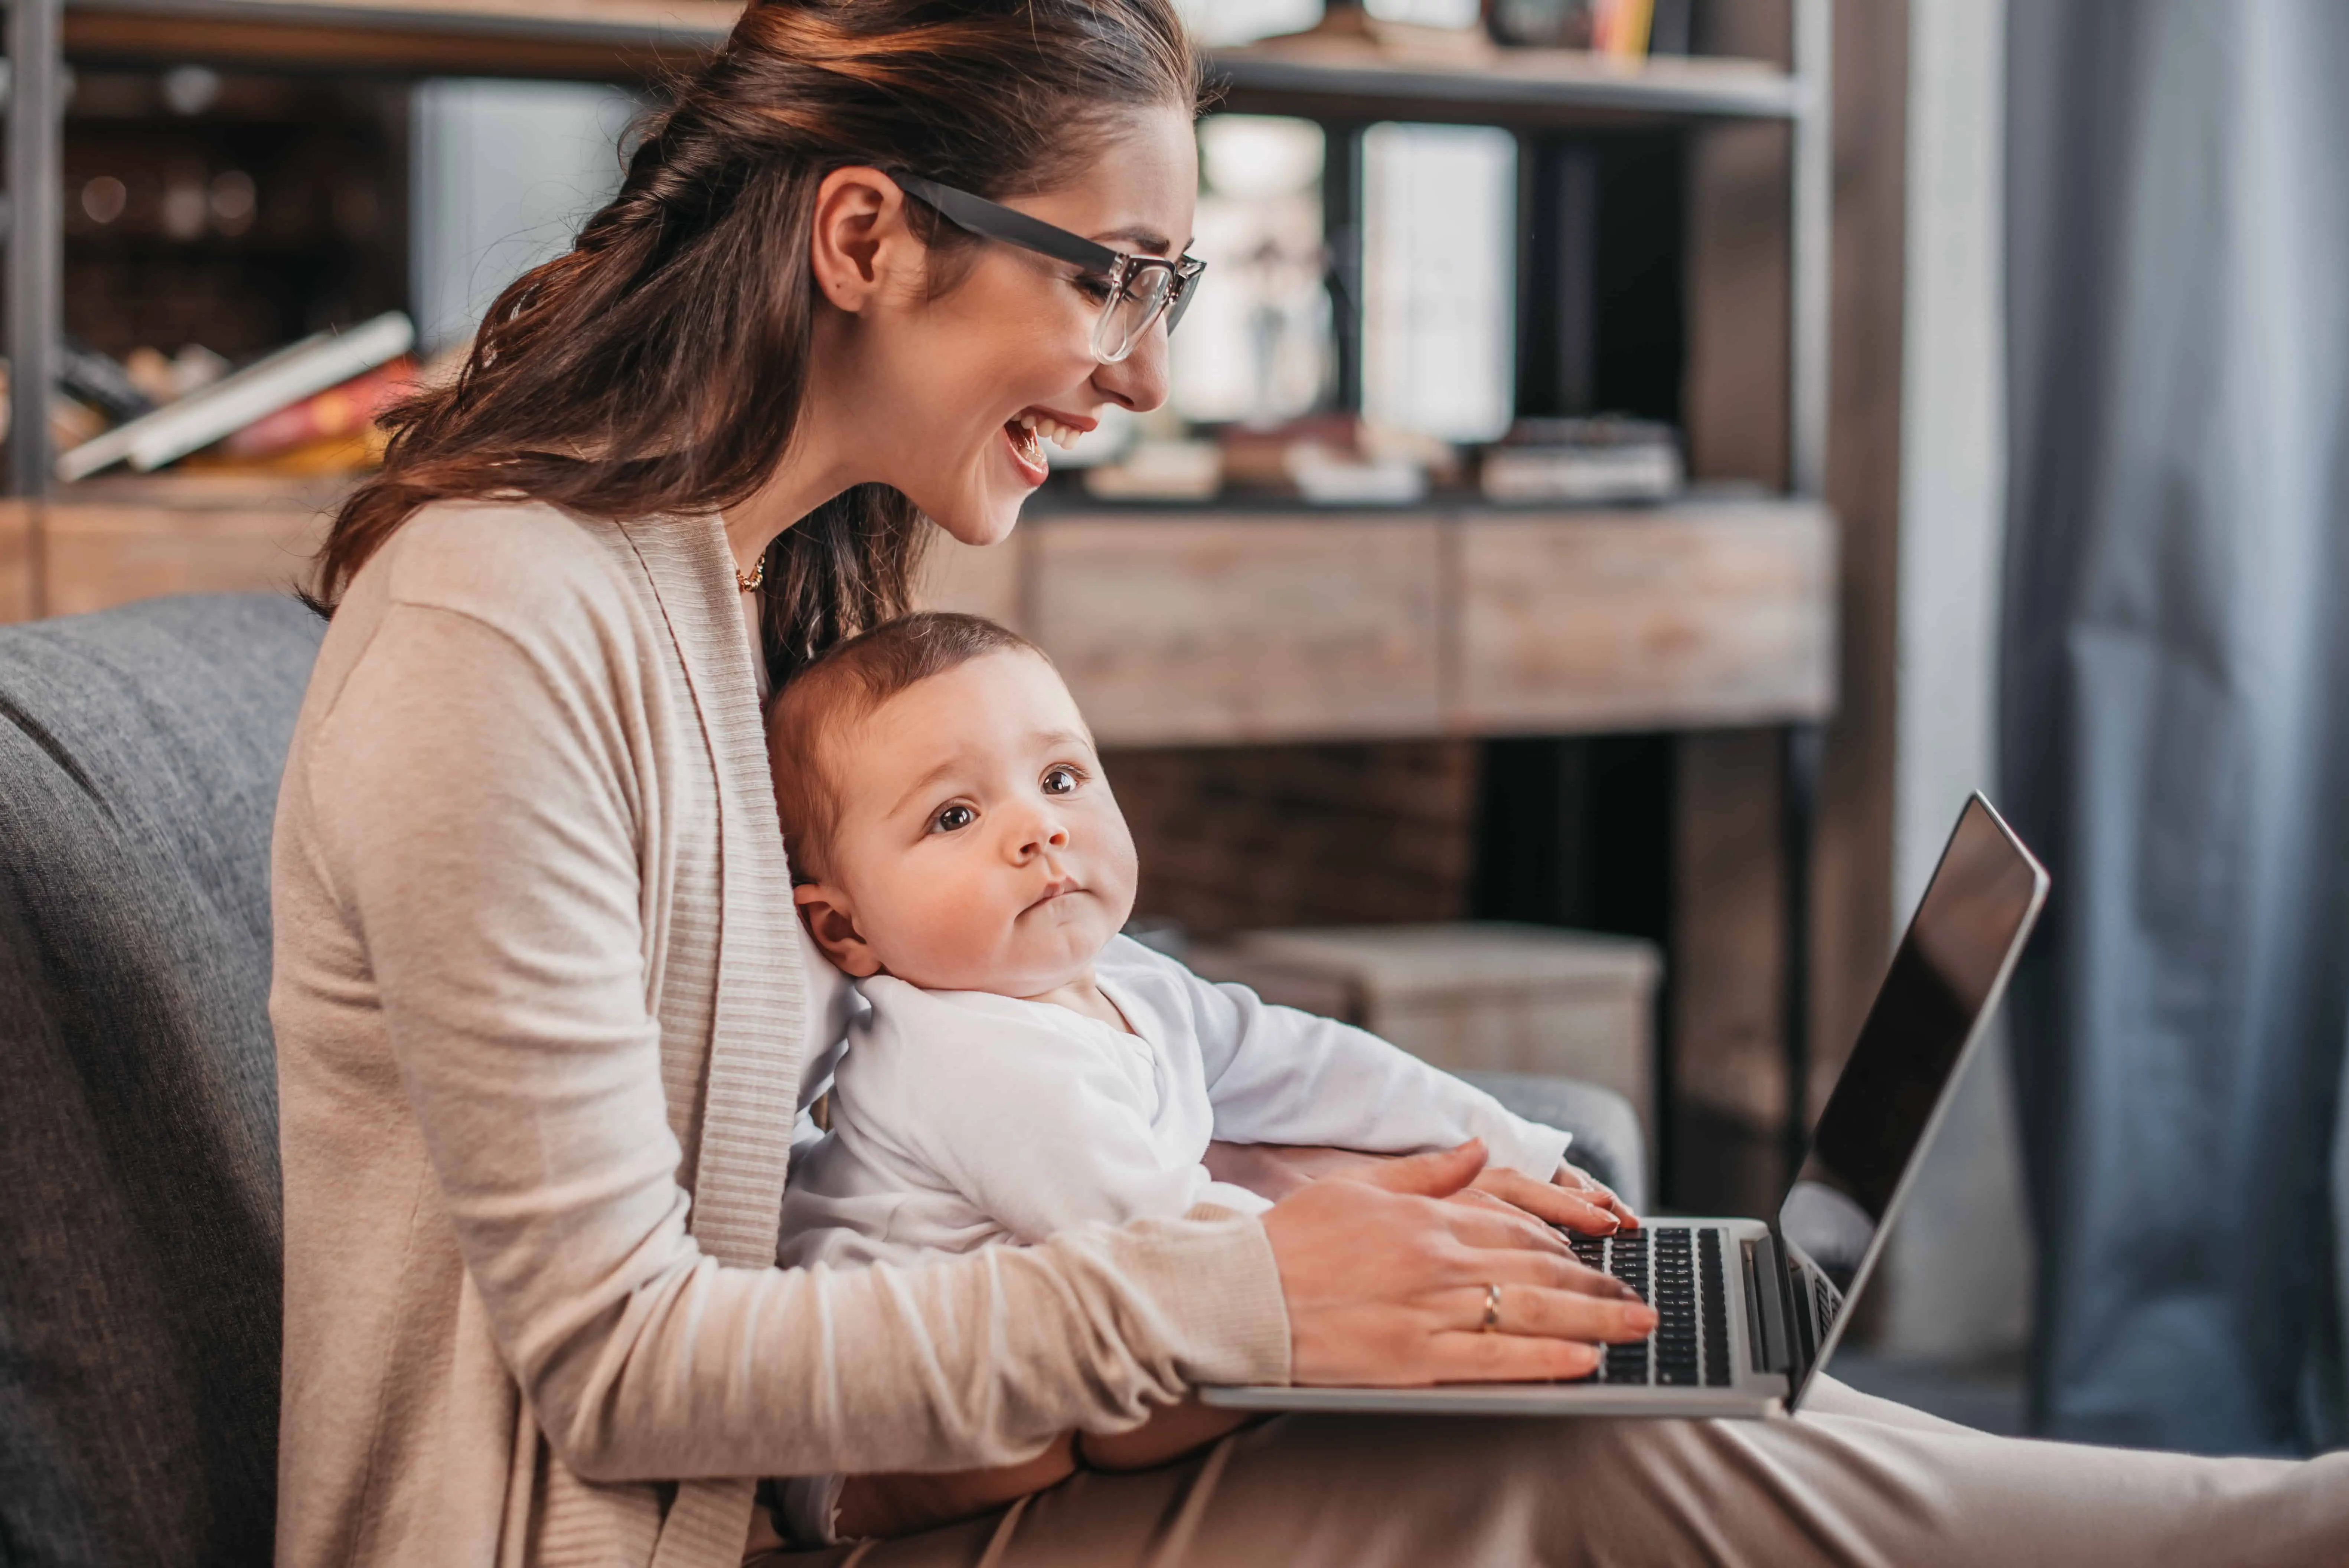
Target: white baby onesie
{"points": [[960, 1118]]}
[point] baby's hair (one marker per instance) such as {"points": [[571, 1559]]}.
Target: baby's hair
{"points": [[849, 681]]}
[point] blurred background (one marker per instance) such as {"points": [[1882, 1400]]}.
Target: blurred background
{"points": [[1634, 468]]}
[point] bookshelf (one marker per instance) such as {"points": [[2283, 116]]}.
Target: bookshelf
{"points": [[1690, 616]]}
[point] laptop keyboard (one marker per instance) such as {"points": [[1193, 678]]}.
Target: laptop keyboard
{"points": [[1681, 1272]]}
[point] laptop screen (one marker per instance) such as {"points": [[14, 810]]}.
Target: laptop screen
{"points": [[1945, 977]]}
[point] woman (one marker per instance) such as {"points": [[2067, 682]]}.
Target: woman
{"points": [[542, 1015]]}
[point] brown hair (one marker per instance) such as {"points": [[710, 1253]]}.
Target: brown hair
{"points": [[659, 367], [848, 681]]}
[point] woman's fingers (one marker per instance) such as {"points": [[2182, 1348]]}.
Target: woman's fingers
{"points": [[1436, 1175], [1473, 1357], [1502, 1244], [1575, 1180], [1386, 1283], [1580, 1211], [1497, 1224], [1481, 1266], [1538, 1312]]}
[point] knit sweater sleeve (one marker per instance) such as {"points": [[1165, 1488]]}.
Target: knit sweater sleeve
{"points": [[479, 805]]}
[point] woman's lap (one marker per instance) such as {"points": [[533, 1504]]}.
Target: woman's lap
{"points": [[1853, 1480]]}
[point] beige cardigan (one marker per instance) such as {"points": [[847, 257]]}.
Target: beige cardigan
{"points": [[538, 1013]]}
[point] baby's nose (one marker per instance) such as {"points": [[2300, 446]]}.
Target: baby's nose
{"points": [[1042, 833]]}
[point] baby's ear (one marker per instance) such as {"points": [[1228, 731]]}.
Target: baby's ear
{"points": [[833, 927]]}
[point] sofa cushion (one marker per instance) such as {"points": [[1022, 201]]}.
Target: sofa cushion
{"points": [[139, 1208]]}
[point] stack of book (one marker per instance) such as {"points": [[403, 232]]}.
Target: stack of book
{"points": [[307, 407], [1597, 461]]}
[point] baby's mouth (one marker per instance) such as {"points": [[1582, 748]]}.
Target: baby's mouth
{"points": [[1058, 888]]}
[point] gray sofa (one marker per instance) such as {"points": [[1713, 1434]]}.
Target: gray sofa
{"points": [[139, 753]]}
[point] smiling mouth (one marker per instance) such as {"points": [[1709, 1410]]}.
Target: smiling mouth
{"points": [[1025, 444]]}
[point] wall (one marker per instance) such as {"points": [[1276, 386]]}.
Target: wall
{"points": [[1237, 838]]}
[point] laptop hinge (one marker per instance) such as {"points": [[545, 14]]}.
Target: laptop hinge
{"points": [[1771, 1341]]}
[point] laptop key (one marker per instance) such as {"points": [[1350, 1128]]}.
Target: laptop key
{"points": [[1677, 1361], [1626, 1260]]}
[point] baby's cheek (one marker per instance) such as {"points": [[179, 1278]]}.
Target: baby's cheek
{"points": [[924, 926]]}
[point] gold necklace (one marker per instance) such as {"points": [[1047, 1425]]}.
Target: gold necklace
{"points": [[756, 581]]}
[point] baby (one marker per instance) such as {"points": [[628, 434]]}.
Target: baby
{"points": [[1024, 1067]]}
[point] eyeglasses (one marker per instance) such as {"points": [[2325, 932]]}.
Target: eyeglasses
{"points": [[1141, 288]]}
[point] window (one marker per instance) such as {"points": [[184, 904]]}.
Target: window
{"points": [[1438, 212]]}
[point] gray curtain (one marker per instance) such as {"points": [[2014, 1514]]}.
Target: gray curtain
{"points": [[2176, 713]]}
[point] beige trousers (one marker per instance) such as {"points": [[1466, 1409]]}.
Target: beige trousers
{"points": [[1853, 1479]]}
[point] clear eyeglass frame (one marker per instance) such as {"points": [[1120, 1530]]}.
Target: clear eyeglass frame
{"points": [[1141, 288]]}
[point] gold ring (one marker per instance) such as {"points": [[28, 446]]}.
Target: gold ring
{"points": [[1492, 1309]]}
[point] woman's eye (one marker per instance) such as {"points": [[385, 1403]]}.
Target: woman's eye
{"points": [[953, 819], [1095, 285], [1060, 781]]}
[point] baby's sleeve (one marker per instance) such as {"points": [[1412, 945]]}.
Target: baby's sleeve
{"points": [[1040, 1137], [1278, 1075]]}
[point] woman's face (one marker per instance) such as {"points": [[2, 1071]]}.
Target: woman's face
{"points": [[935, 385]]}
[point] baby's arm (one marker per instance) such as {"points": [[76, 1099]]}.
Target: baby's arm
{"points": [[1039, 1142], [1276, 1076], [895, 1505], [1169, 1434]]}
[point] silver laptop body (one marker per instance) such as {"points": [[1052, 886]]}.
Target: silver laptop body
{"points": [[1751, 1309]]}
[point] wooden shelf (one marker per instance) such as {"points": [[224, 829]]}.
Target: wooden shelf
{"points": [[625, 39], [109, 542], [1343, 79], [1213, 627], [19, 598], [580, 39]]}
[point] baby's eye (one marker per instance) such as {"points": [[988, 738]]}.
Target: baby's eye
{"points": [[1060, 781], [953, 819]]}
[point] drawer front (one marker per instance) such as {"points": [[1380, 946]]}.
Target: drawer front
{"points": [[1719, 617], [1243, 629]]}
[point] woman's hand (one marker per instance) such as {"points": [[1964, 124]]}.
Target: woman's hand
{"points": [[1573, 1199], [1387, 1284]]}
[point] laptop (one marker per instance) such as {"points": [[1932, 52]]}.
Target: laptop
{"points": [[1751, 1309]]}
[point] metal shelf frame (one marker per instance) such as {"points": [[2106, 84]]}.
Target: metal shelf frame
{"points": [[631, 37]]}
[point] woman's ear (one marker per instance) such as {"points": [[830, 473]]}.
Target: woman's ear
{"points": [[859, 237], [833, 926]]}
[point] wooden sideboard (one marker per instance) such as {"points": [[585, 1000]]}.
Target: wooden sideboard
{"points": [[1213, 627], [1231, 627]]}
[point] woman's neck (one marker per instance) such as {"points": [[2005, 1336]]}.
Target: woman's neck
{"points": [[817, 467]]}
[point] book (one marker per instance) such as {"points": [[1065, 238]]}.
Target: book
{"points": [[91, 376], [338, 411], [168, 378], [1587, 460], [1619, 29], [288, 375]]}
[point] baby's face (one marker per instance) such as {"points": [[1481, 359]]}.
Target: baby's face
{"points": [[977, 845]]}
